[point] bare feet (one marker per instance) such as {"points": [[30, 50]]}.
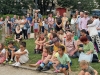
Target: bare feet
{"points": [[32, 65]]}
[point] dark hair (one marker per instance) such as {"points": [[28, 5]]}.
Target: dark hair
{"points": [[11, 42], [95, 16], [89, 22], [23, 44], [84, 31], [54, 35], [83, 39], [86, 13], [2, 46], [49, 51], [62, 48]]}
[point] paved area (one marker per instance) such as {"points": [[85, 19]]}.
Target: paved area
{"points": [[9, 70]]}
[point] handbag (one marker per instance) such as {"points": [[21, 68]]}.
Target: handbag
{"points": [[85, 57]]}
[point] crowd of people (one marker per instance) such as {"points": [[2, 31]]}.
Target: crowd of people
{"points": [[57, 38]]}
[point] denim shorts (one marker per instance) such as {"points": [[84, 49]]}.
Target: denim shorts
{"points": [[65, 66]]}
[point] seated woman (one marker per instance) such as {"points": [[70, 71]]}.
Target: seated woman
{"points": [[88, 48], [39, 43], [2, 53], [18, 34]]}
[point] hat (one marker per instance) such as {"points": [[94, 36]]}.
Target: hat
{"points": [[54, 40]]}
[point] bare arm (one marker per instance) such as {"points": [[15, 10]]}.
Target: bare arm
{"points": [[20, 53]]}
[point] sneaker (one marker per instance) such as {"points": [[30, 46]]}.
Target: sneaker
{"points": [[39, 68], [5, 62], [46, 68], [17, 64], [10, 62], [14, 64]]}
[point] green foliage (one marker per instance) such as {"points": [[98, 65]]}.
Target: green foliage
{"points": [[14, 6], [8, 39], [98, 1], [86, 5]]}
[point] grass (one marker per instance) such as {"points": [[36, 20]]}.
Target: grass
{"points": [[35, 57]]}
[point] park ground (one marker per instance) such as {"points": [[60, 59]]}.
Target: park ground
{"points": [[35, 57]]}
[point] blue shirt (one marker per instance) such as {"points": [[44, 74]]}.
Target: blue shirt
{"points": [[29, 19]]}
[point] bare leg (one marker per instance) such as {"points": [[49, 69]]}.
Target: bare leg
{"points": [[17, 58], [64, 71], [12, 55], [7, 55], [82, 73], [87, 73]]}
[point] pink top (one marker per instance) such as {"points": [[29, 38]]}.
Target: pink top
{"points": [[83, 23], [50, 22], [69, 46]]}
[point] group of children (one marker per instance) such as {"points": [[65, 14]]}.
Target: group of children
{"points": [[12, 54]]}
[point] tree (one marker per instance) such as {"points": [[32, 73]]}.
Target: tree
{"points": [[98, 2], [15, 6], [43, 5], [87, 5]]}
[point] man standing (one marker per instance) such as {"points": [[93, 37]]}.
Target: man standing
{"points": [[84, 20], [78, 23]]}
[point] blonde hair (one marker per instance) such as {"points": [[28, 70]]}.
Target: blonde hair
{"points": [[84, 62]]}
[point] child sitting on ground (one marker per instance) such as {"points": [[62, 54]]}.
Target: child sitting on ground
{"points": [[86, 69], [44, 55], [10, 52], [2, 53], [39, 43], [64, 60], [21, 56]]}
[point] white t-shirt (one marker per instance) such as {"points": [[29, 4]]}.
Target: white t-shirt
{"points": [[3, 51], [24, 58], [92, 30], [73, 21], [97, 23]]}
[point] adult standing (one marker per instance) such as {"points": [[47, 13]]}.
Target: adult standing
{"points": [[8, 20], [13, 23], [29, 19], [24, 26], [79, 22], [58, 21], [73, 23], [51, 22], [64, 21], [84, 20]]}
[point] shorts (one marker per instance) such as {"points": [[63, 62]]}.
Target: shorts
{"points": [[36, 30], [65, 66]]}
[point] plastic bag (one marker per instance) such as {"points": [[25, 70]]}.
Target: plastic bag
{"points": [[85, 57]]}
